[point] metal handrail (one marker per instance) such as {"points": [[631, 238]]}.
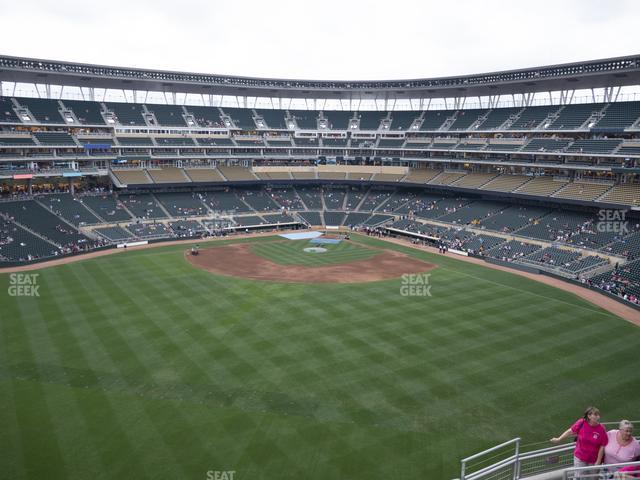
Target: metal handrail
{"points": [[567, 471], [463, 462]]}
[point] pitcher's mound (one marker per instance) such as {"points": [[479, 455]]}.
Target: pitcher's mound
{"points": [[239, 261]]}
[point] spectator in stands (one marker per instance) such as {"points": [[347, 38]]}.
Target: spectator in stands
{"points": [[622, 447], [590, 442]]}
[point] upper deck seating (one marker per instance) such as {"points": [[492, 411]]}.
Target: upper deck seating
{"points": [[390, 143], [338, 120], [305, 119], [434, 119], [541, 186], [127, 113], [619, 115], [626, 194], [505, 183], [206, 116], [233, 173], [274, 119], [43, 110], [532, 117], [242, 117], [497, 117], [16, 141], [87, 113], [466, 118], [168, 115], [370, 120], [572, 117], [401, 120], [7, 114]]}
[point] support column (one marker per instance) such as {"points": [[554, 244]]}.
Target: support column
{"points": [[71, 186], [30, 186]]}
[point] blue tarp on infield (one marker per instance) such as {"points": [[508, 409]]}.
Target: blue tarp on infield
{"points": [[301, 235], [330, 241]]}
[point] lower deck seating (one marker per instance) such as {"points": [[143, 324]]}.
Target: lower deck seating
{"points": [[226, 202], [311, 218], [149, 230], [375, 199], [114, 234], [513, 218], [143, 206], [35, 217], [355, 219], [259, 200], [311, 196], [553, 256], [182, 204], [19, 245], [106, 207], [334, 198], [287, 198], [624, 281], [68, 207], [186, 228], [334, 218], [512, 250]]}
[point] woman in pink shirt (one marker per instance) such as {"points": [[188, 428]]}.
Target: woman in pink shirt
{"points": [[622, 447], [591, 438]]}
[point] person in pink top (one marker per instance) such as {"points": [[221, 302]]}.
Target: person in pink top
{"points": [[591, 438], [622, 447]]}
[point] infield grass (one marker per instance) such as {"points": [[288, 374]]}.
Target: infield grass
{"points": [[139, 365]]}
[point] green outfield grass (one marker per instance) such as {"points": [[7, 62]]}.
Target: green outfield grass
{"points": [[139, 365]]}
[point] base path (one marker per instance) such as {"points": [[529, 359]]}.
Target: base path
{"points": [[240, 261]]}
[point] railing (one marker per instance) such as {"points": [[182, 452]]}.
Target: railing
{"points": [[599, 473], [518, 464]]}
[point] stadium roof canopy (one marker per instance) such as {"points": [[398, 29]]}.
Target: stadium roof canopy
{"points": [[603, 73]]}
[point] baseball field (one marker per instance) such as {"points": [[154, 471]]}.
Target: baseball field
{"points": [[157, 364]]}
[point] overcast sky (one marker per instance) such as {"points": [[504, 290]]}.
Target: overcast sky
{"points": [[328, 39]]}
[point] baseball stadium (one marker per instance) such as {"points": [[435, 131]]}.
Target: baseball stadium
{"points": [[230, 277]]}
